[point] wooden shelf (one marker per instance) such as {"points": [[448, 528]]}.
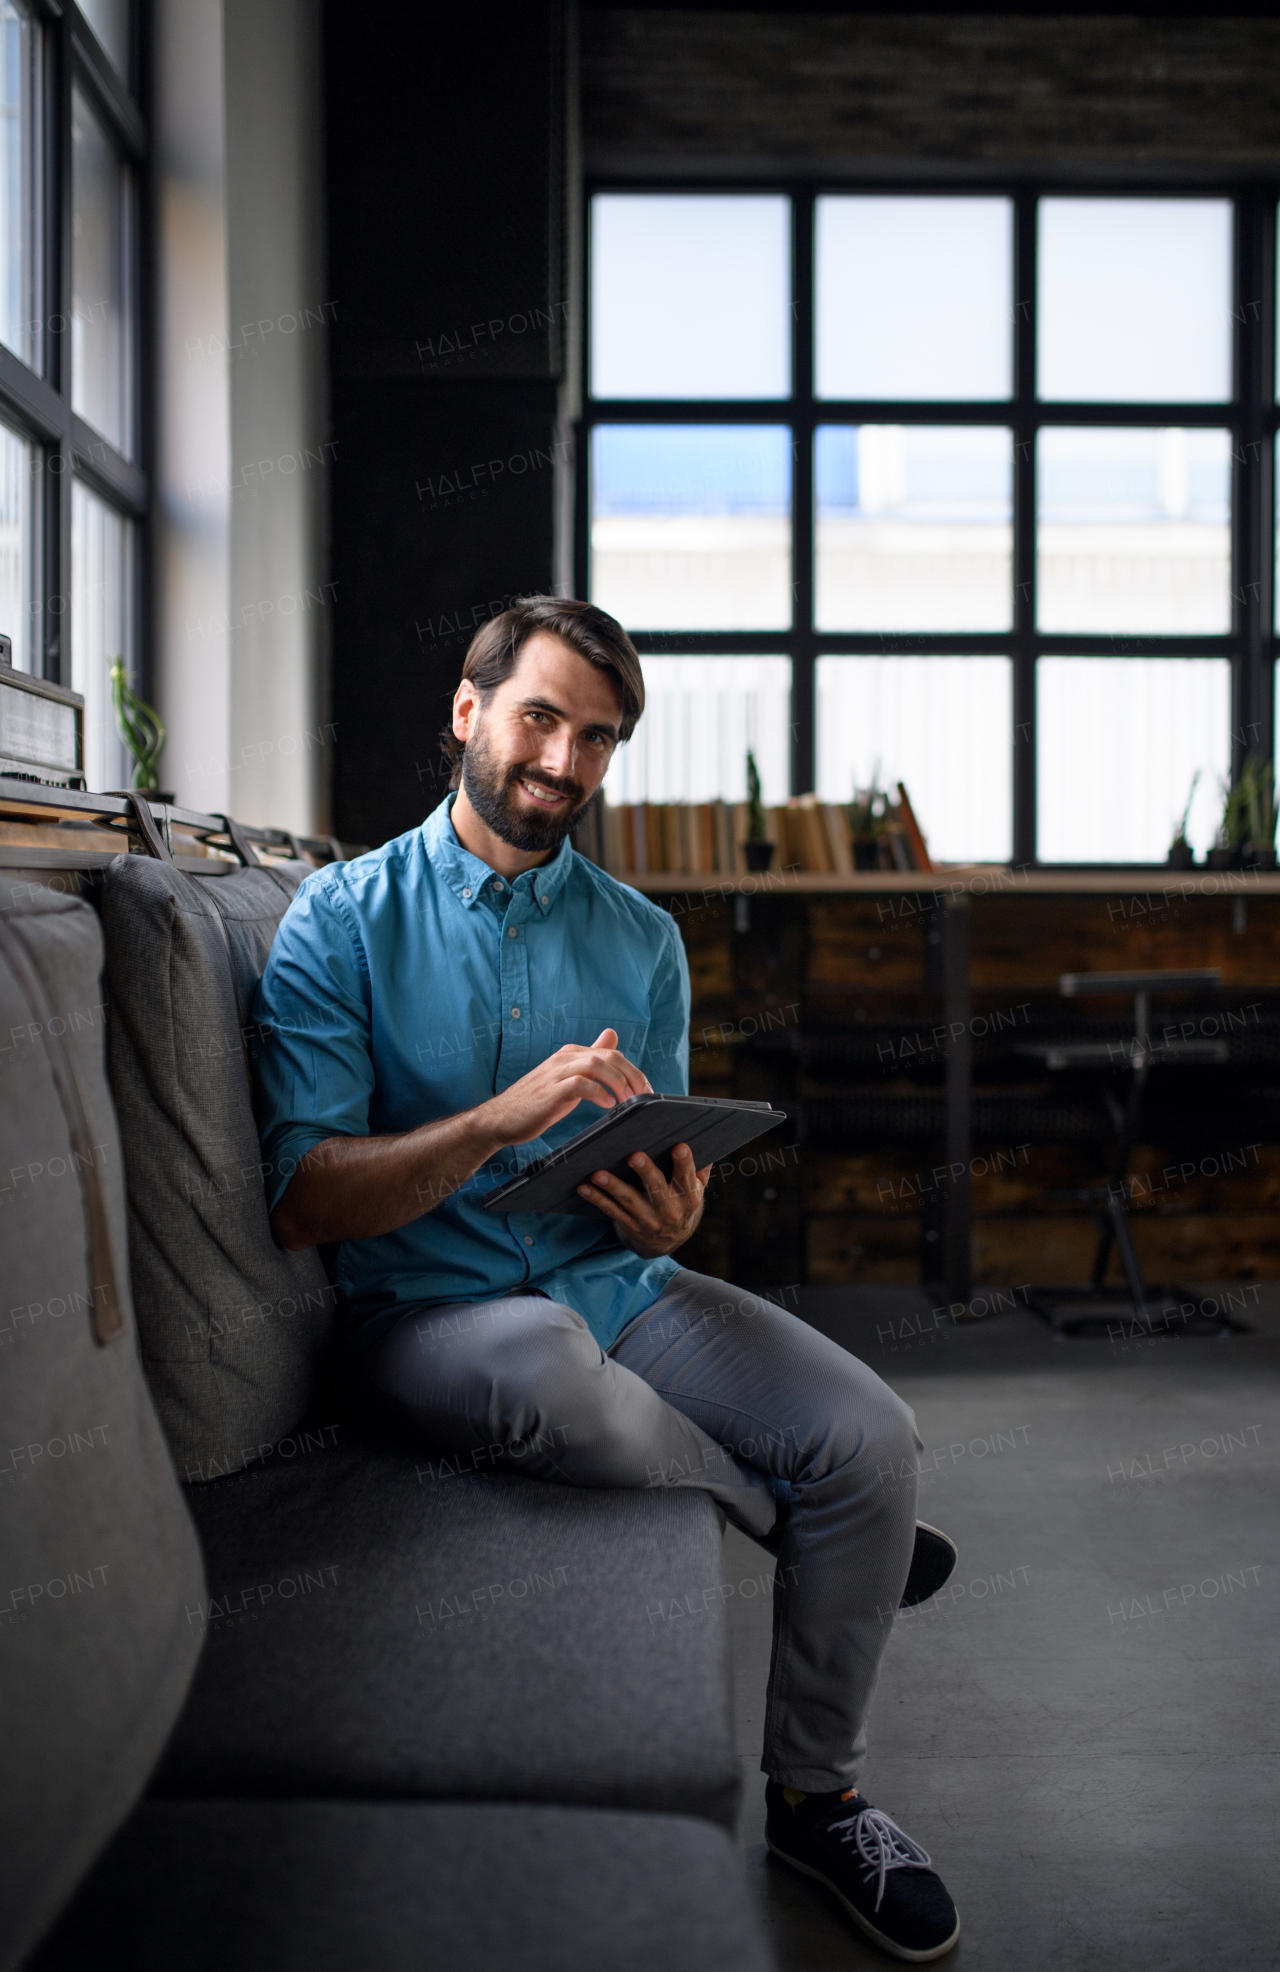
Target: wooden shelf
{"points": [[972, 880]]}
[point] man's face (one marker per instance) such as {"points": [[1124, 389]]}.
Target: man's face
{"points": [[537, 749]]}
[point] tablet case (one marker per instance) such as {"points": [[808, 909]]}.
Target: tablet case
{"points": [[711, 1126]]}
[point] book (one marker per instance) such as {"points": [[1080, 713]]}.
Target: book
{"points": [[818, 857], [838, 838], [706, 838], [639, 838], [738, 826], [618, 842], [899, 849], [914, 833], [588, 833], [668, 814], [722, 827]]}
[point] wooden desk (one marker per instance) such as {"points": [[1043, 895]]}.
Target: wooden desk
{"points": [[951, 970]]}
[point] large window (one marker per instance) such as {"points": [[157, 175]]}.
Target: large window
{"points": [[966, 490], [72, 493]]}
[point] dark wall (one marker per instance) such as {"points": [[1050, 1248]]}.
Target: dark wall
{"points": [[685, 91], [449, 188], [446, 203]]}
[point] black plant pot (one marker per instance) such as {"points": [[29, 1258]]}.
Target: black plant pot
{"points": [[1222, 859], [866, 852], [1181, 855], [759, 855], [1258, 859]]}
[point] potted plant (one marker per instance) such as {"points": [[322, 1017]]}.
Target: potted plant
{"points": [[1181, 854], [1257, 786], [868, 814], [1233, 829], [758, 848], [142, 730]]}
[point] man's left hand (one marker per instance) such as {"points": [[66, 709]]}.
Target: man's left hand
{"points": [[660, 1216]]}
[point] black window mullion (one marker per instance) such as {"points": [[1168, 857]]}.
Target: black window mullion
{"points": [[36, 398], [1243, 548], [690, 411], [59, 290], [145, 378], [1265, 472], [582, 508], [1023, 737], [48, 275], [110, 98], [1251, 644], [110, 474], [1251, 505], [582, 428], [803, 650]]}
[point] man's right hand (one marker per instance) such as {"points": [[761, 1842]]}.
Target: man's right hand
{"points": [[548, 1093], [360, 1187]]}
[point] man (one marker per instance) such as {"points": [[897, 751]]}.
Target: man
{"points": [[461, 1002]]}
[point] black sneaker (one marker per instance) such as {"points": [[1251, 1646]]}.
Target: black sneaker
{"points": [[933, 1558], [933, 1562], [883, 1878]]}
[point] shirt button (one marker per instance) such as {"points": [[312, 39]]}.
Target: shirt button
{"points": [[528, 1239], [466, 893], [515, 1013], [544, 900], [513, 933], [497, 884]]}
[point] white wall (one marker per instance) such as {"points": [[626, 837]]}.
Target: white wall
{"points": [[192, 535], [244, 455], [281, 450]]}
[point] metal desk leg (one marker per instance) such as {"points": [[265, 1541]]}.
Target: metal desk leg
{"points": [[1128, 1258], [956, 1003]]}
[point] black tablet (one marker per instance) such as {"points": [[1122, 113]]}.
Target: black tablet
{"points": [[712, 1128]]}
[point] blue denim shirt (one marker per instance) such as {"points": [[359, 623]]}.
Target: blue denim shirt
{"points": [[413, 983]]}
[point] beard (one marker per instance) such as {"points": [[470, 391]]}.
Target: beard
{"points": [[490, 788]]}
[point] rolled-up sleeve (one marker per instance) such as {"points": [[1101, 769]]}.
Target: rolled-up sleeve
{"points": [[666, 1055], [312, 1070]]}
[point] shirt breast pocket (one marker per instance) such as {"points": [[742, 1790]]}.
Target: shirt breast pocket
{"points": [[561, 1029]]}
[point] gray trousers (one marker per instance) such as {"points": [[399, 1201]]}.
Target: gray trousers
{"points": [[801, 1444]]}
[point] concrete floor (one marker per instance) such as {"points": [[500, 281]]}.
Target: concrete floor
{"points": [[1090, 1754]]}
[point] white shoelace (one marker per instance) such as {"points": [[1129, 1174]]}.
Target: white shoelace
{"points": [[882, 1845]]}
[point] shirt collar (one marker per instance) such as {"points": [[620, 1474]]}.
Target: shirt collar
{"points": [[468, 877]]}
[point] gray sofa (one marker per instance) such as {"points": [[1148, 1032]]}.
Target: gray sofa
{"points": [[276, 1691]]}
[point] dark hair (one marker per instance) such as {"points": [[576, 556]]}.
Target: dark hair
{"points": [[591, 632]]}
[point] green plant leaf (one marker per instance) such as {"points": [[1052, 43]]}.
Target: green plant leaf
{"points": [[756, 831], [140, 727]]}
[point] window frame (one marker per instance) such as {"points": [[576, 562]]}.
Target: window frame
{"points": [[36, 401], [1250, 415]]}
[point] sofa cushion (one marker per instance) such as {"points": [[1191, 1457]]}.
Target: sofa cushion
{"points": [[100, 1559], [323, 1886], [374, 1628], [231, 1326]]}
